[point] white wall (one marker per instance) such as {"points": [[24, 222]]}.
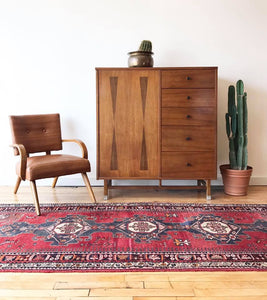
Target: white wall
{"points": [[50, 48]]}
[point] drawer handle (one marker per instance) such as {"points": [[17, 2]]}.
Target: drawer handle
{"points": [[188, 78], [188, 117], [188, 97], [188, 138], [189, 165]]}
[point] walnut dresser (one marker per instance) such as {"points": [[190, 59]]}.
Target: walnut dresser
{"points": [[157, 123]]}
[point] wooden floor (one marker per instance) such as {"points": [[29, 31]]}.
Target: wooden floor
{"points": [[137, 285]]}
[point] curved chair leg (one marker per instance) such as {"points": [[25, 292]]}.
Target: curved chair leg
{"points": [[88, 185], [35, 196], [54, 182], [17, 185]]}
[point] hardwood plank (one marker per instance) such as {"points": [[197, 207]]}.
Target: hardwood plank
{"points": [[94, 298], [230, 292], [41, 293], [142, 292], [220, 284], [218, 276], [98, 284], [156, 298], [26, 284], [147, 277], [63, 277], [106, 298], [27, 298], [158, 285], [199, 298]]}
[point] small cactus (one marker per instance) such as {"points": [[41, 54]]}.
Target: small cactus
{"points": [[237, 126], [145, 46]]}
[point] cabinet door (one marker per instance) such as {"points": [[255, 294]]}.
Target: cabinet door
{"points": [[128, 123]]}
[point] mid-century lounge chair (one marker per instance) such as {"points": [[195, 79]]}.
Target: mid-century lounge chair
{"points": [[42, 133]]}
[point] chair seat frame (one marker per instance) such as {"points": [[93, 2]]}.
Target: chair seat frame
{"points": [[23, 166]]}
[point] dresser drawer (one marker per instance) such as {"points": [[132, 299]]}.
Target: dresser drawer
{"points": [[188, 116], [188, 165], [188, 138], [188, 97], [189, 78]]}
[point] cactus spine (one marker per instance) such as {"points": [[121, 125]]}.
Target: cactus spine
{"points": [[145, 46], [236, 127]]}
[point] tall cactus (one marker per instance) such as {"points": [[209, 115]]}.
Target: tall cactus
{"points": [[236, 127], [245, 132]]}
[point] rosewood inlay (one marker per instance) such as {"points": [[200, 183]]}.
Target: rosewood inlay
{"points": [[143, 86], [143, 162], [114, 158], [113, 88]]}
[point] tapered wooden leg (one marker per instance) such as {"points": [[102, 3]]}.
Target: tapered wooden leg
{"points": [[54, 182], [35, 196], [17, 185], [201, 182], [208, 190], [88, 185], [106, 184]]}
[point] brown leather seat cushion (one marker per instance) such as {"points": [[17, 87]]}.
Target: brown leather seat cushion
{"points": [[39, 167]]}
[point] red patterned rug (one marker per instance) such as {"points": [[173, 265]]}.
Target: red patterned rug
{"points": [[133, 237]]}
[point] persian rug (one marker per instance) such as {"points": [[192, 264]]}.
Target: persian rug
{"points": [[133, 237]]}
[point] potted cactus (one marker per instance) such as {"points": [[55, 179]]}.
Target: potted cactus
{"points": [[236, 175], [142, 57]]}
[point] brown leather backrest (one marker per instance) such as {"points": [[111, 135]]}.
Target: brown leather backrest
{"points": [[38, 133]]}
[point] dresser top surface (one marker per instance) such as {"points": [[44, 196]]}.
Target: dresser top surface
{"points": [[155, 68]]}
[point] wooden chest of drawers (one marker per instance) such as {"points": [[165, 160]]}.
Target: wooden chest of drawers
{"points": [[157, 123]]}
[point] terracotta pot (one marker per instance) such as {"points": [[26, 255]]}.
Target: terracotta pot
{"points": [[235, 181]]}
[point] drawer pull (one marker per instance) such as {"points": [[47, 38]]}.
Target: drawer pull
{"points": [[188, 165], [188, 78], [188, 116], [188, 138], [188, 97]]}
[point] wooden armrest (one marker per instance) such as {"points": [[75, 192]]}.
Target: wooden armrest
{"points": [[81, 144], [23, 159]]}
